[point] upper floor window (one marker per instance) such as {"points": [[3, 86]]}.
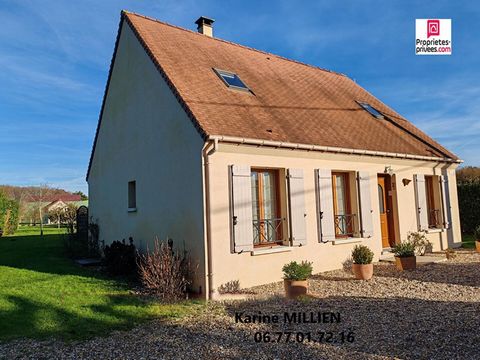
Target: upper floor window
{"points": [[266, 209], [232, 80], [371, 110]]}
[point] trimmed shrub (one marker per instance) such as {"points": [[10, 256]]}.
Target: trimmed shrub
{"points": [[164, 272], [295, 271], [361, 254], [120, 258]]}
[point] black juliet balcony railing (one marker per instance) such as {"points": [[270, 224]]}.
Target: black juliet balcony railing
{"points": [[345, 225], [267, 231], [434, 218]]}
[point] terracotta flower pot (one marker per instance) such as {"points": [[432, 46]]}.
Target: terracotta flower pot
{"points": [[406, 263], [295, 288], [477, 246], [362, 271]]}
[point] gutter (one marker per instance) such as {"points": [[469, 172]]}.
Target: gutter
{"points": [[329, 149], [208, 235]]}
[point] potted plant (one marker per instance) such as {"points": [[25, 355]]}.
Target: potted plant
{"points": [[295, 278], [477, 238], [420, 241], [362, 266], [405, 258]]}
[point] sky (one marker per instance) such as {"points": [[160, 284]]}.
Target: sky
{"points": [[55, 56]]}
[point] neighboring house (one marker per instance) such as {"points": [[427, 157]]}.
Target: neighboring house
{"points": [[250, 160], [31, 210]]}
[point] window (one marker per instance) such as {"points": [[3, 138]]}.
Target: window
{"points": [[372, 111], [267, 221], [231, 80], [132, 196], [432, 191], [342, 205]]}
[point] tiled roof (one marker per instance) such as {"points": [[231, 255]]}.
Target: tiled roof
{"points": [[55, 197], [291, 101]]}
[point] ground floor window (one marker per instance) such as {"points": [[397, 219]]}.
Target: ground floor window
{"points": [[345, 219], [267, 220], [434, 207]]}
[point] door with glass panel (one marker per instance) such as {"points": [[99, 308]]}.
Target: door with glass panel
{"points": [[267, 221]]}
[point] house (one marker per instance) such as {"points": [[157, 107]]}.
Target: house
{"points": [[31, 213], [250, 160]]}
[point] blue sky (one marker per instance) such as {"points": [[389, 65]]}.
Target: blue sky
{"points": [[54, 58]]}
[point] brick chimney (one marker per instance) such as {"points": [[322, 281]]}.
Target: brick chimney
{"points": [[204, 25]]}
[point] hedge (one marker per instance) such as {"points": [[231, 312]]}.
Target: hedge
{"points": [[469, 204], [8, 214]]}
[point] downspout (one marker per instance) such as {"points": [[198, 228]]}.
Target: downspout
{"points": [[208, 240]]}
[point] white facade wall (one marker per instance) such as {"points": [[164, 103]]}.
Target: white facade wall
{"points": [[146, 136], [253, 270]]}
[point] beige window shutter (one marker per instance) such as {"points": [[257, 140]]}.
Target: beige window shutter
{"points": [[297, 207], [421, 202], [445, 201], [366, 211], [325, 213], [241, 208]]}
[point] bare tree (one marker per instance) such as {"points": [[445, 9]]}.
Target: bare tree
{"points": [[39, 194]]}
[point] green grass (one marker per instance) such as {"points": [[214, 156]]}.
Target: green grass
{"points": [[468, 242], [43, 294]]}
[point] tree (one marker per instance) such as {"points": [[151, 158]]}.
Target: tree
{"points": [[468, 174], [8, 214], [82, 195]]}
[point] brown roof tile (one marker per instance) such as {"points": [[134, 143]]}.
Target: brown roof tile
{"points": [[299, 103]]}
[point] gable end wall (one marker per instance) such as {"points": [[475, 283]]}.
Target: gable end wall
{"points": [[146, 136]]}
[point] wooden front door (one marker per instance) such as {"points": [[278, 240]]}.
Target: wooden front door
{"points": [[386, 218]]}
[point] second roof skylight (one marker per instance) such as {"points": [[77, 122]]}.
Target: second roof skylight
{"points": [[371, 110]]}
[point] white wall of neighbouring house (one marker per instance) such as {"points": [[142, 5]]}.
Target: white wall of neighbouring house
{"points": [[253, 270], [145, 136]]}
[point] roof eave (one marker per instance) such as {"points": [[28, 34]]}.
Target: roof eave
{"points": [[328, 149]]}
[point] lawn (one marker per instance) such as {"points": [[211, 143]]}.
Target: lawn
{"points": [[44, 294], [468, 242]]}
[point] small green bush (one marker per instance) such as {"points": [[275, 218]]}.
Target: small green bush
{"points": [[476, 233], [404, 249], [361, 254], [295, 271]]}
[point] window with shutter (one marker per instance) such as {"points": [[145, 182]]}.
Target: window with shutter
{"points": [[344, 217], [297, 207], [445, 202], [366, 211], [241, 193], [266, 207], [434, 202], [421, 202], [325, 214]]}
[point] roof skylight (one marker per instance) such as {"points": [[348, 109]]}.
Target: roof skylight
{"points": [[231, 80], [371, 110]]}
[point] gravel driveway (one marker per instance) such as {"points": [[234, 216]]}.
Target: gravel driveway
{"points": [[430, 313]]}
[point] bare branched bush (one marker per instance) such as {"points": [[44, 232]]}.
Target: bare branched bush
{"points": [[164, 272]]}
